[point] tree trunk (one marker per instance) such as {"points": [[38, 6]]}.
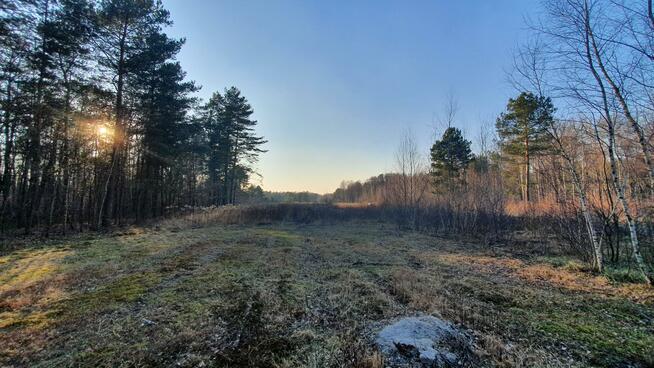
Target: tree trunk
{"points": [[633, 230], [642, 141], [527, 177], [111, 186]]}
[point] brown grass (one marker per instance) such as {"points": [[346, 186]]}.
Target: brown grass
{"points": [[550, 276], [301, 295]]}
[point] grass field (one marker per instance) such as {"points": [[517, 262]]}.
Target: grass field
{"points": [[290, 295]]}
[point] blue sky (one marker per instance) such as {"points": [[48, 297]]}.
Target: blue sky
{"points": [[334, 84]]}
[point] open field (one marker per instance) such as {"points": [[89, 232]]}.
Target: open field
{"points": [[290, 295]]}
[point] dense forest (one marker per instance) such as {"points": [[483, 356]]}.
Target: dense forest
{"points": [[99, 124], [581, 170]]}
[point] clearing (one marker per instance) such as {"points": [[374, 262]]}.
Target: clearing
{"points": [[313, 295]]}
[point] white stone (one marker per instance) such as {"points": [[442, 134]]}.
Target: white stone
{"points": [[422, 333]]}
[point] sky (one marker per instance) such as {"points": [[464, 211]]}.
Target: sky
{"points": [[335, 84]]}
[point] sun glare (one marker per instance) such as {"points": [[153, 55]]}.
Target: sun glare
{"points": [[103, 131]]}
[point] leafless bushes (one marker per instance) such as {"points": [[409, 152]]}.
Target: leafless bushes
{"points": [[270, 213], [475, 209], [479, 217]]}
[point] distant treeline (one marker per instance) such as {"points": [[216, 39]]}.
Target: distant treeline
{"points": [[256, 195]]}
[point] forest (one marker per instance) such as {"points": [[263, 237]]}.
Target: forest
{"points": [[99, 123], [137, 228]]}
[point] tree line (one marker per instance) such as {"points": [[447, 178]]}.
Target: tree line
{"points": [[573, 149], [100, 125]]}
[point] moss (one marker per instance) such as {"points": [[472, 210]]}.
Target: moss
{"points": [[277, 237], [27, 268], [38, 319], [556, 261], [624, 275], [295, 296], [613, 331], [94, 357], [122, 290], [575, 266]]}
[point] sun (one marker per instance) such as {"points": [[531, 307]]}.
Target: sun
{"points": [[103, 131]]}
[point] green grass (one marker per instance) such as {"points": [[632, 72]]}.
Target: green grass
{"points": [[624, 274], [288, 295]]}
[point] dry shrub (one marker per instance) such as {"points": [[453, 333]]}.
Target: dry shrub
{"points": [[477, 211], [265, 214]]}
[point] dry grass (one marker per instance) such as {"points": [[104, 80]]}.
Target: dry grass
{"points": [[570, 276], [191, 294]]}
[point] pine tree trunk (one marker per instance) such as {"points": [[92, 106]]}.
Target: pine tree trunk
{"points": [[110, 190]]}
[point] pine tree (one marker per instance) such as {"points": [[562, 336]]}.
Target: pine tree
{"points": [[211, 114], [98, 124], [122, 27], [163, 97], [522, 131], [16, 33], [234, 146], [450, 157]]}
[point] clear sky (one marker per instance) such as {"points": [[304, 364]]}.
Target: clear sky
{"points": [[334, 84]]}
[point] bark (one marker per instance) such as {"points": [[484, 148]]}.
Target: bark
{"points": [[10, 129], [527, 173], [619, 187], [111, 185], [583, 203], [642, 141]]}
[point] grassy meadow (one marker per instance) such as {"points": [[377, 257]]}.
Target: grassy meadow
{"points": [[303, 295]]}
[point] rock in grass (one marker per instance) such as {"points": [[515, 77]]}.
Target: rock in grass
{"points": [[425, 340]]}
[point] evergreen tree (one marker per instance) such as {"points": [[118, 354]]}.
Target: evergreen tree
{"points": [[122, 27], [163, 99], [234, 146], [450, 156], [244, 143], [212, 112], [16, 33], [522, 131], [98, 124], [41, 87]]}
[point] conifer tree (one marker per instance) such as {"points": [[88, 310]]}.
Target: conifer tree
{"points": [[98, 125], [234, 146], [522, 130], [450, 156], [122, 27]]}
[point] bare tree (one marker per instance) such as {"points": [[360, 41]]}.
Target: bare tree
{"points": [[557, 132], [586, 81], [620, 71], [529, 73], [529, 68], [448, 117], [411, 182]]}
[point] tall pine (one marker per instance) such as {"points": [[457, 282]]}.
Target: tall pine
{"points": [[522, 132], [234, 145]]}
